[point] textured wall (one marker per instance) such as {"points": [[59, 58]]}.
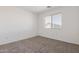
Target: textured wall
{"points": [[69, 31], [16, 24]]}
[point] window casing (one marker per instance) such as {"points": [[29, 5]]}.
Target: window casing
{"points": [[53, 21]]}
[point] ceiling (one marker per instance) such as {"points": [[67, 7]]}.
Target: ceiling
{"points": [[36, 9]]}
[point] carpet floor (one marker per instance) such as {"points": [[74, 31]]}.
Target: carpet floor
{"points": [[39, 44]]}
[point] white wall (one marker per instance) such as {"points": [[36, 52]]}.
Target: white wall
{"points": [[16, 24], [70, 28]]}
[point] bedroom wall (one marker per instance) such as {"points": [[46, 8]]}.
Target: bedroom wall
{"points": [[70, 25], [16, 24]]}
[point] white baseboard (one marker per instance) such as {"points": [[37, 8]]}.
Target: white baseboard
{"points": [[14, 40], [60, 39]]}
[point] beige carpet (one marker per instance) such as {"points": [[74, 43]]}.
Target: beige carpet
{"points": [[39, 45]]}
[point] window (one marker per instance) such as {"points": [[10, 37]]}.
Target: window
{"points": [[54, 21]]}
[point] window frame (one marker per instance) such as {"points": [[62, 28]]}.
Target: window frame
{"points": [[52, 20]]}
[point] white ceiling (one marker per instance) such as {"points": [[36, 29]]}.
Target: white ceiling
{"points": [[36, 9]]}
